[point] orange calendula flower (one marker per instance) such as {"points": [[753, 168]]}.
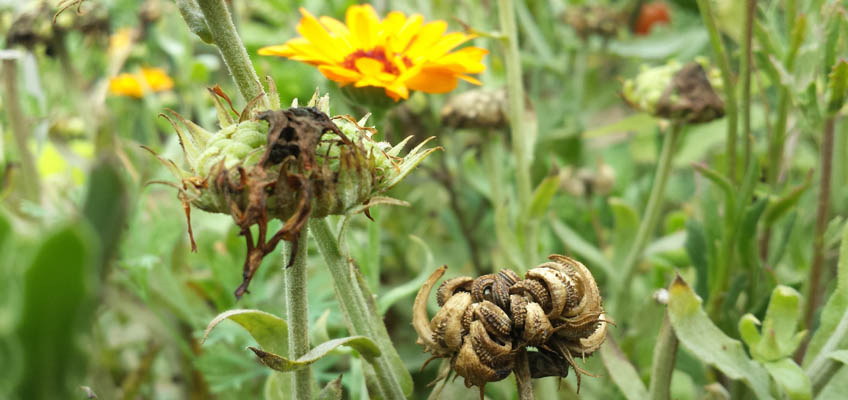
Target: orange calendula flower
{"points": [[398, 53], [134, 85]]}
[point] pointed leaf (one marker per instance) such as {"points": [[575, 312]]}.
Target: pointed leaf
{"points": [[333, 390], [832, 333], [194, 19], [708, 343], [626, 224], [542, 196], [270, 331], [838, 86], [585, 251], [367, 348], [622, 372], [696, 248], [784, 311], [791, 378]]}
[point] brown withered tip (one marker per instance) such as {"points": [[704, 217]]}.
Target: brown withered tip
{"points": [[690, 98], [483, 323]]}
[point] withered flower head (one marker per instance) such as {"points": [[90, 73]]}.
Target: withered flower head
{"points": [[286, 164], [482, 323], [678, 93], [476, 108]]}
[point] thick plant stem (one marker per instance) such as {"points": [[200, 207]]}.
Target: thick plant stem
{"points": [[357, 305], [652, 211], [229, 43], [520, 136], [11, 99], [731, 108], [747, 66], [297, 311], [665, 354], [823, 210], [522, 376]]}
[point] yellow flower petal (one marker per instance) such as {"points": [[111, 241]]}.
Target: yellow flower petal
{"points": [[315, 33], [433, 81], [369, 66], [362, 22]]}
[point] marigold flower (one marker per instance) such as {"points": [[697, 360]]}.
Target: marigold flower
{"points": [[398, 53], [134, 85]]}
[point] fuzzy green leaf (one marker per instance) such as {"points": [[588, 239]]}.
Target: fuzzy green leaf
{"points": [[194, 19], [365, 346], [270, 331], [622, 372], [333, 390], [791, 378], [708, 343]]}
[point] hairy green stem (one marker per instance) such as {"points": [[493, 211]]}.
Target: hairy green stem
{"points": [[297, 314], [11, 99], [224, 34], [729, 87], [778, 137], [520, 135], [652, 212], [823, 211], [665, 354], [522, 376], [359, 309]]}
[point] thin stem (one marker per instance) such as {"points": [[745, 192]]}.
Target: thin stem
{"points": [[729, 86], [297, 310], [522, 376], [823, 210], [520, 135], [778, 138], [746, 68], [229, 43], [665, 354], [652, 210], [361, 315], [11, 99]]}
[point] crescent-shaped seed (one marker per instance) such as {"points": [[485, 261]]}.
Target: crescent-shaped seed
{"points": [[447, 324], [556, 288], [481, 288], [451, 286], [537, 326], [494, 318], [517, 308], [535, 289], [491, 352]]}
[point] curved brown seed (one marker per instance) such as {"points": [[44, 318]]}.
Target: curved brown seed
{"points": [[468, 316], [469, 366], [508, 276], [491, 351], [447, 324], [451, 286], [494, 318], [517, 309], [537, 326], [481, 288], [420, 321], [556, 288], [500, 293], [535, 289]]}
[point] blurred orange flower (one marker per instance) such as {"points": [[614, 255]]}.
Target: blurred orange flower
{"points": [[134, 85], [398, 53]]}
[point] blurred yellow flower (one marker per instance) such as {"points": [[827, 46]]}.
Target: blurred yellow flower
{"points": [[398, 53], [134, 85], [120, 40]]}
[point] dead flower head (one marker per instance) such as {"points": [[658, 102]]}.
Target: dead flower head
{"points": [[286, 164], [679, 93], [482, 323]]}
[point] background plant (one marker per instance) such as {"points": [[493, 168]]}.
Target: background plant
{"points": [[96, 264]]}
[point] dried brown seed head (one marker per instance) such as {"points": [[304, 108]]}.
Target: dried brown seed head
{"points": [[451, 286]]}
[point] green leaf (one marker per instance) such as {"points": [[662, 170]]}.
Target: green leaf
{"points": [[106, 207], [779, 339], [270, 331], [780, 206], [333, 390], [747, 243], [626, 224], [506, 238], [724, 184], [586, 251], [365, 346], [836, 387], [542, 196], [833, 330], [708, 343], [57, 309], [622, 372], [791, 378], [194, 19], [696, 248], [838, 86]]}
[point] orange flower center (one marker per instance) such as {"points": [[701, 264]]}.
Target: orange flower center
{"points": [[378, 54]]}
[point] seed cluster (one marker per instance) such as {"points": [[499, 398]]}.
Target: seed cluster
{"points": [[482, 323]]}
